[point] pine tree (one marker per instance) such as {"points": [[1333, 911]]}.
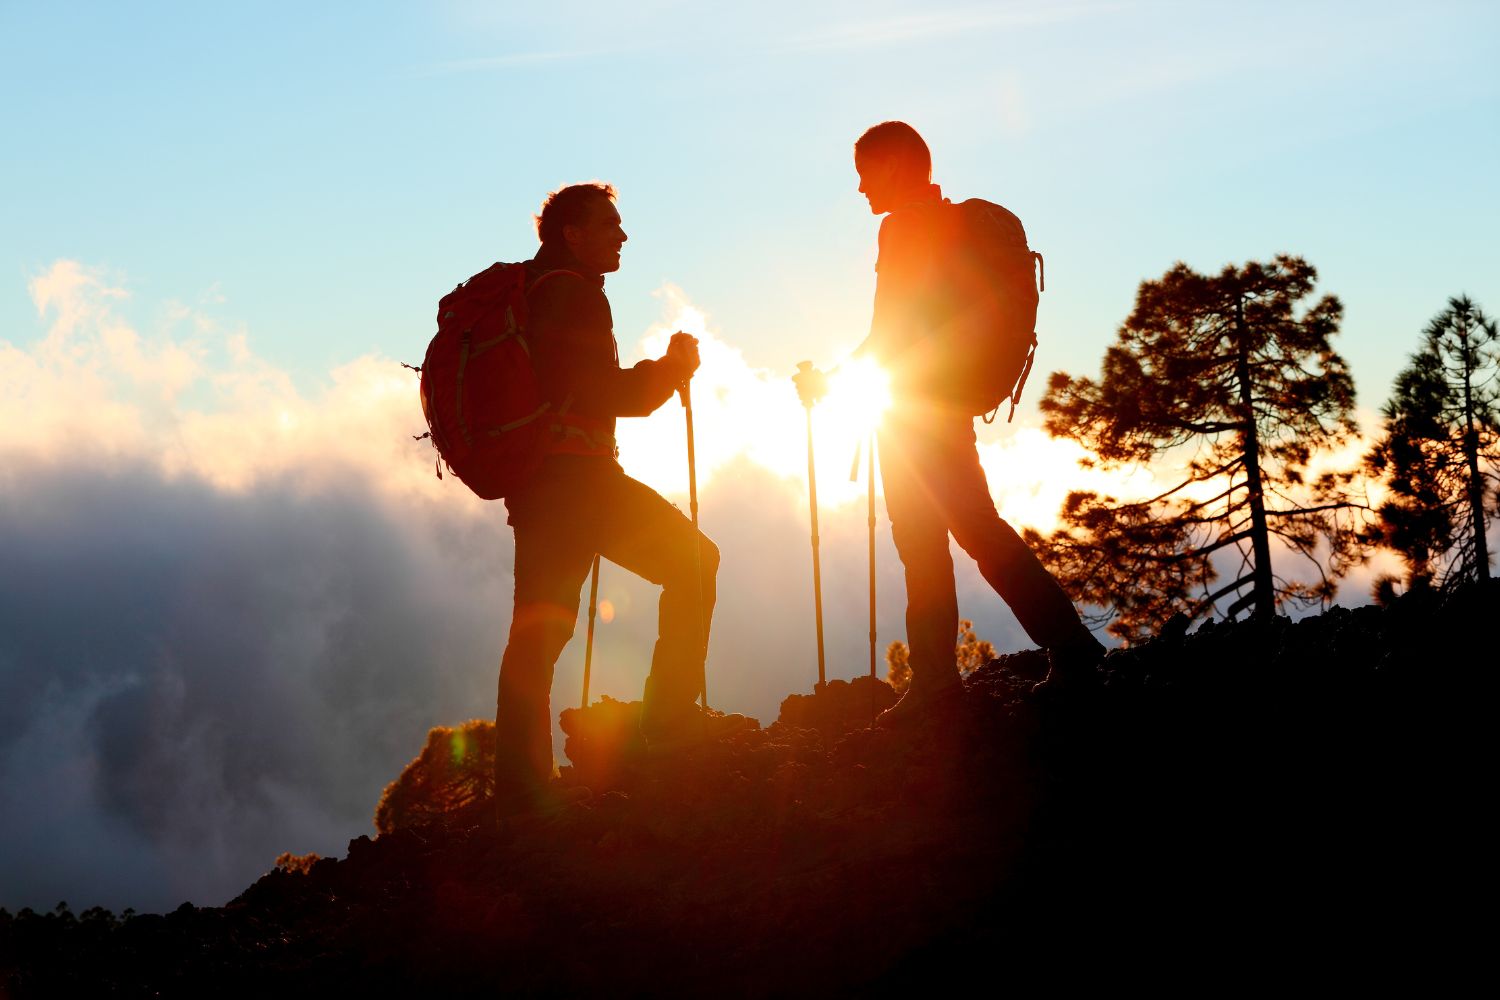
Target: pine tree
{"points": [[970, 652], [453, 773], [1231, 373], [1439, 452]]}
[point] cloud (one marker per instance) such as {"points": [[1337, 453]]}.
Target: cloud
{"points": [[229, 612], [235, 673]]}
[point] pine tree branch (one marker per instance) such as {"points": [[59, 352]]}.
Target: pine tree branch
{"points": [[1300, 511], [1224, 591]]}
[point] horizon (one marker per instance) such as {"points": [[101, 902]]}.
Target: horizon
{"points": [[227, 228]]}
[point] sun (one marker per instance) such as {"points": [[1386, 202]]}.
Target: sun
{"points": [[742, 412], [859, 393]]}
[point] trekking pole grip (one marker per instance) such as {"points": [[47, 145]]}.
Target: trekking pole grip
{"points": [[807, 394]]}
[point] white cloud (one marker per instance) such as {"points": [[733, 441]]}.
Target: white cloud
{"points": [[201, 405]]}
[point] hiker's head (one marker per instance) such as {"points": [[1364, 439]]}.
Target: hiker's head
{"points": [[583, 218], [894, 165]]}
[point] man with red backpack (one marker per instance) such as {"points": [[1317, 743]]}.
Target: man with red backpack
{"points": [[954, 327], [579, 501]]}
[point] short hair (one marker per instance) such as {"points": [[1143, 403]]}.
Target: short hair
{"points": [[568, 206], [896, 140]]}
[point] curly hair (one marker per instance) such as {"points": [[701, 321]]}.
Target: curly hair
{"points": [[568, 206]]}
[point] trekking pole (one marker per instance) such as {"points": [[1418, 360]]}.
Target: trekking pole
{"points": [[588, 648], [870, 486], [686, 392], [812, 502]]}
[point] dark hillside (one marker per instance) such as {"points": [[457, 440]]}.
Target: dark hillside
{"points": [[1251, 799]]}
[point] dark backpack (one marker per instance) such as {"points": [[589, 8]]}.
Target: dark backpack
{"points": [[480, 394], [994, 284]]}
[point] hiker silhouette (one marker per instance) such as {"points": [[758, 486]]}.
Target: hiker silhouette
{"points": [[579, 502], [946, 292]]}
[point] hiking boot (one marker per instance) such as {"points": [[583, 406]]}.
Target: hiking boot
{"points": [[1073, 667], [922, 701], [690, 729]]}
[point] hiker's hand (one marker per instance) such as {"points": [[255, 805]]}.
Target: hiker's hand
{"points": [[812, 385], [682, 352]]}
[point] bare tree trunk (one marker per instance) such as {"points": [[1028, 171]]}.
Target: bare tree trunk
{"points": [[1260, 535]]}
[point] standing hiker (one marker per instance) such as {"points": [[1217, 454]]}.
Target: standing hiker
{"points": [[580, 502], [927, 298]]}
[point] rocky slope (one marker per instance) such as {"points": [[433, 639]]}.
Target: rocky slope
{"points": [[1238, 802]]}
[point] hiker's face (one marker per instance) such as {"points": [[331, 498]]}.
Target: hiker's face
{"points": [[877, 182], [597, 240]]}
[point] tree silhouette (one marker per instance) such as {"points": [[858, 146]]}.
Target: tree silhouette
{"points": [[972, 652], [898, 666], [1231, 373], [455, 771], [297, 864], [1439, 453]]}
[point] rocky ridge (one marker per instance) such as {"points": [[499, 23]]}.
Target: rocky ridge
{"points": [[1242, 796]]}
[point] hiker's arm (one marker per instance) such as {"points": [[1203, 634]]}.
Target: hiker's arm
{"points": [[574, 330], [638, 390], [613, 391], [901, 277]]}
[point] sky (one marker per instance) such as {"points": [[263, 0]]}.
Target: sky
{"points": [[233, 598]]}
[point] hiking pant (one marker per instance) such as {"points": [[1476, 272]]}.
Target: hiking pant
{"points": [[934, 485], [577, 506]]}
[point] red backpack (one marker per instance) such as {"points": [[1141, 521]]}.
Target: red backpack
{"points": [[480, 395], [994, 275]]}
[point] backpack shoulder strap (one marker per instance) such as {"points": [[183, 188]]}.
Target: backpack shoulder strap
{"points": [[549, 274]]}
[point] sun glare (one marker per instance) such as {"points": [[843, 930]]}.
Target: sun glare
{"points": [[858, 394], [746, 413]]}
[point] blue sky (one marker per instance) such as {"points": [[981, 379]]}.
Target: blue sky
{"points": [[234, 598], [319, 173]]}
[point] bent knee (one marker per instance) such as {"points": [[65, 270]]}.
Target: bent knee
{"points": [[550, 621], [694, 562]]}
